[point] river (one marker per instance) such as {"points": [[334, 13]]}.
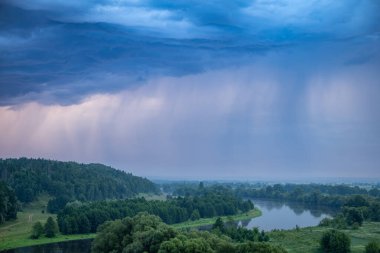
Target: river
{"points": [[285, 215]]}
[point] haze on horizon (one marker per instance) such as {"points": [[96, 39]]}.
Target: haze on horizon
{"points": [[194, 89]]}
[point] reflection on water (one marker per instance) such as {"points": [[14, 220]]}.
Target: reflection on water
{"points": [[79, 246], [281, 215]]}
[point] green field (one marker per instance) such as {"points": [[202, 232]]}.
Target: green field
{"points": [[14, 234], [307, 239], [209, 221]]}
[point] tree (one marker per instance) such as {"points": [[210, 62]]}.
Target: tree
{"points": [[219, 224], [195, 215], [51, 228], [372, 247], [37, 230], [334, 241], [353, 215]]}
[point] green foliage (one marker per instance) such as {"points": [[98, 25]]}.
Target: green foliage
{"points": [[372, 247], [146, 233], [142, 233], [8, 203], [334, 241], [258, 248], [195, 215], [51, 228], [353, 215], [68, 181], [213, 202], [219, 224], [37, 230]]}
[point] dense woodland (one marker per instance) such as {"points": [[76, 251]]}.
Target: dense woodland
{"points": [[147, 233], [68, 181], [8, 203], [214, 201]]}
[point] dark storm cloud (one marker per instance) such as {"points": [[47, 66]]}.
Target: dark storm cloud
{"points": [[48, 47]]}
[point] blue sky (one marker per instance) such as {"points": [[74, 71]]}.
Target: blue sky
{"points": [[193, 89]]}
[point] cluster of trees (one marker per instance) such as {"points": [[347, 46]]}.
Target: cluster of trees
{"points": [[147, 233], [68, 181], [239, 234], [50, 229], [79, 217], [281, 190], [335, 196], [8, 203], [354, 212]]}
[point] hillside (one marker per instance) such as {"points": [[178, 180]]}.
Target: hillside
{"points": [[67, 181]]}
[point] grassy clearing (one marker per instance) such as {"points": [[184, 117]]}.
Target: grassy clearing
{"points": [[307, 239], [14, 234], [209, 221], [150, 196]]}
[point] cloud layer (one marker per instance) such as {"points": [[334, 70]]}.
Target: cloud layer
{"points": [[247, 89]]}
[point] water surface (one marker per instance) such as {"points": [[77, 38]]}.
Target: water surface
{"points": [[77, 246], [285, 215]]}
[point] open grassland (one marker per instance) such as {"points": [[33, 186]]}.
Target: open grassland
{"points": [[307, 239], [14, 234], [209, 221]]}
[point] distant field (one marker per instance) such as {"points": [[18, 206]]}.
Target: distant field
{"points": [[307, 239], [151, 196]]}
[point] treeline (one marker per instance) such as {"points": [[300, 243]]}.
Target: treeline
{"points": [[86, 217], [354, 212], [8, 203], [261, 190], [147, 233], [68, 181], [334, 196]]}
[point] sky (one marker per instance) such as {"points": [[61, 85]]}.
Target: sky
{"points": [[227, 89]]}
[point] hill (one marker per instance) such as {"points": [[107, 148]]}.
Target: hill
{"points": [[67, 181]]}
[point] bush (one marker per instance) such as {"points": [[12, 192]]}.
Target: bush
{"points": [[37, 230], [51, 228], [334, 241], [372, 247]]}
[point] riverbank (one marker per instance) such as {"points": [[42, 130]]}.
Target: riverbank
{"points": [[209, 221], [15, 234]]}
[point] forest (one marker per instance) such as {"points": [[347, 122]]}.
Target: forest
{"points": [[209, 202], [147, 233], [8, 203], [69, 181]]}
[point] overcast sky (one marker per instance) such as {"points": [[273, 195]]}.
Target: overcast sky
{"points": [[242, 89]]}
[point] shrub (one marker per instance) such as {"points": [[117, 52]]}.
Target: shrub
{"points": [[334, 241]]}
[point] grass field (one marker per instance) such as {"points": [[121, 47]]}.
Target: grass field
{"points": [[209, 221], [14, 234], [307, 239]]}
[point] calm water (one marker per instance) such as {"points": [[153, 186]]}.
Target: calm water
{"points": [[79, 246], [279, 215]]}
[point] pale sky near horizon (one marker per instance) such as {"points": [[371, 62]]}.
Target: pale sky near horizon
{"points": [[194, 89]]}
